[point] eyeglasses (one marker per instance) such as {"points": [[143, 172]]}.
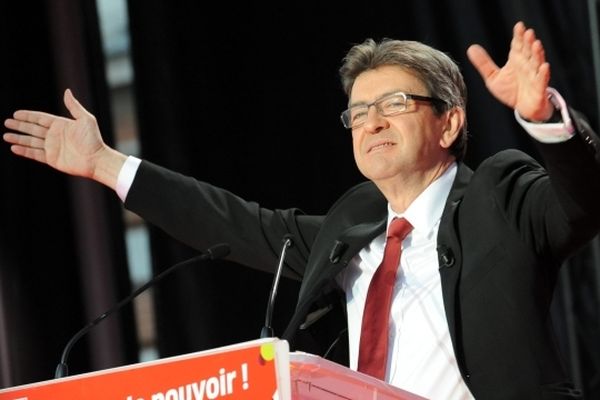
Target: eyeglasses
{"points": [[386, 106]]}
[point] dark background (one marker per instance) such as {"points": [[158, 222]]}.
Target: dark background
{"points": [[248, 98]]}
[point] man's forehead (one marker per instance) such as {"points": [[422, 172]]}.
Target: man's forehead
{"points": [[375, 83]]}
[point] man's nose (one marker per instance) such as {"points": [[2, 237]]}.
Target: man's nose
{"points": [[375, 121]]}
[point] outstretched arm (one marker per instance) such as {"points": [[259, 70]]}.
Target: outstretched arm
{"points": [[71, 145], [522, 82]]}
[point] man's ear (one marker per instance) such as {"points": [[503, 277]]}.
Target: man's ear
{"points": [[455, 119]]}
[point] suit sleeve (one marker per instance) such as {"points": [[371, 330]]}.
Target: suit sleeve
{"points": [[201, 215], [555, 208]]}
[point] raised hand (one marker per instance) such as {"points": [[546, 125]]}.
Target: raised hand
{"points": [[71, 145], [521, 83]]}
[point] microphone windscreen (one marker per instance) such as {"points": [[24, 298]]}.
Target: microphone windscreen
{"points": [[219, 251]]}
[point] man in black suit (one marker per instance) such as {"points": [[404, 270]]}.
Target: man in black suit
{"points": [[470, 312]]}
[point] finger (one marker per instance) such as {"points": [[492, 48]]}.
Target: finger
{"points": [[543, 75], [73, 105], [519, 28], [26, 127], [528, 40], [24, 140], [27, 152], [538, 68], [482, 61], [35, 117], [537, 52], [517, 40]]}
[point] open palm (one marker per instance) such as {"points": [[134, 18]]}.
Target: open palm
{"points": [[522, 82], [69, 145]]}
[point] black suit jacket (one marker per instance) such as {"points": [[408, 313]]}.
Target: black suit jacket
{"points": [[505, 231]]}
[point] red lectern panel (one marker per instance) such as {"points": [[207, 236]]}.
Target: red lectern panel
{"points": [[256, 370], [251, 370], [314, 378]]}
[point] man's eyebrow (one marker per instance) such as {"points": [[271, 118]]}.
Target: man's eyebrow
{"points": [[360, 103]]}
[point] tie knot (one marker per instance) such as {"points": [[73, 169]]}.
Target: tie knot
{"points": [[399, 228]]}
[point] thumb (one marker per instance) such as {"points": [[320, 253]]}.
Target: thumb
{"points": [[482, 61], [73, 105]]}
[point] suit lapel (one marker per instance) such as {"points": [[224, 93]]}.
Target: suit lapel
{"points": [[353, 239], [358, 236], [449, 249]]}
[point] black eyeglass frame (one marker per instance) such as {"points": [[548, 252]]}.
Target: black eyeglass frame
{"points": [[345, 115]]}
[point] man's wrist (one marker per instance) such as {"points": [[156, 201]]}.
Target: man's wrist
{"points": [[557, 129], [553, 112]]}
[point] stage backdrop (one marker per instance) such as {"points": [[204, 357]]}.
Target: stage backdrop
{"points": [[248, 98]]}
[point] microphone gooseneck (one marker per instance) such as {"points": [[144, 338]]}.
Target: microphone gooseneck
{"points": [[215, 252], [267, 330]]}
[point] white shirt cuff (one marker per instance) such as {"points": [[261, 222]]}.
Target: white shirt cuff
{"points": [[126, 176], [550, 132]]}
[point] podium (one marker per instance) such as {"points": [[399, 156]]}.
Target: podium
{"points": [[254, 370]]}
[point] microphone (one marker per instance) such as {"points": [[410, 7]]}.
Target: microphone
{"points": [[267, 330], [445, 256], [337, 251], [213, 253]]}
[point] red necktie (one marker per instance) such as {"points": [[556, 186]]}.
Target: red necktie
{"points": [[372, 356]]}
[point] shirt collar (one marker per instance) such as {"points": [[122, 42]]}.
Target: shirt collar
{"points": [[426, 210]]}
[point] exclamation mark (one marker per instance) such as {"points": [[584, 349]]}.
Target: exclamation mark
{"points": [[245, 376]]}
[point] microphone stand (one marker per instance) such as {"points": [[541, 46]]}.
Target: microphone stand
{"points": [[217, 251], [267, 330]]}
